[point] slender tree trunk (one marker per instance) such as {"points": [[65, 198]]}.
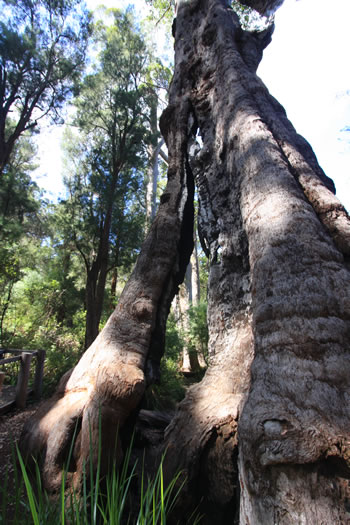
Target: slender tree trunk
{"points": [[94, 293], [196, 285], [91, 323], [114, 280], [184, 300], [196, 297], [97, 273], [5, 153], [153, 170], [192, 358]]}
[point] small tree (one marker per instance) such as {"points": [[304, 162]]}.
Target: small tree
{"points": [[107, 159]]}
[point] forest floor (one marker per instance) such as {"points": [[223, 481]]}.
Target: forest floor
{"points": [[11, 425]]}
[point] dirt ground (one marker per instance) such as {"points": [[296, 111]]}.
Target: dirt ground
{"points": [[11, 425]]}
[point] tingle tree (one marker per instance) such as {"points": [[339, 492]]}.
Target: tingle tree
{"points": [[264, 438], [42, 53]]}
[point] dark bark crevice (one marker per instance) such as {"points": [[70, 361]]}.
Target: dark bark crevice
{"points": [[184, 251]]}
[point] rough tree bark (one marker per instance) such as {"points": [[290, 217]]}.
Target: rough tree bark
{"points": [[264, 438]]}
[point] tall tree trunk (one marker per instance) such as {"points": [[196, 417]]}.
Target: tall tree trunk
{"points": [[192, 358], [97, 273], [114, 279], [275, 393], [195, 279], [91, 320], [95, 287], [184, 300], [153, 170]]}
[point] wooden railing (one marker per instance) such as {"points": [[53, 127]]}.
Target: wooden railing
{"points": [[25, 358]]}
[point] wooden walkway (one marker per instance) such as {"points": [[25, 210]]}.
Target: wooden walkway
{"points": [[16, 396], [7, 398]]}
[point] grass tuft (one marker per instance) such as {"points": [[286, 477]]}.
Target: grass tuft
{"points": [[106, 503]]}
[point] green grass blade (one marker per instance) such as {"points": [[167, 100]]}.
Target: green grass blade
{"points": [[4, 498], [29, 489], [62, 498]]}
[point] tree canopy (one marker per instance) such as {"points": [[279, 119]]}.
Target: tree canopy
{"points": [[42, 53]]}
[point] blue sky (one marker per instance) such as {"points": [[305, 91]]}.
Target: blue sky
{"points": [[306, 67]]}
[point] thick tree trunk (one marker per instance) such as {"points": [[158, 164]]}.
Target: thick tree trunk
{"points": [[279, 288]]}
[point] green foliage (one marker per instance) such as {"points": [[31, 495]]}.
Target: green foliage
{"points": [[42, 281], [171, 388], [249, 18], [103, 506], [34, 321], [10, 273], [174, 341], [162, 11], [105, 161], [19, 195], [42, 52], [198, 327], [19, 215], [103, 217]]}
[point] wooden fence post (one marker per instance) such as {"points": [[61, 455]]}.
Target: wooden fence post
{"points": [[23, 378], [39, 373]]}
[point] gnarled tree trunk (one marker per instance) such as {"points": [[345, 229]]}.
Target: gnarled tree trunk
{"points": [[264, 437]]}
